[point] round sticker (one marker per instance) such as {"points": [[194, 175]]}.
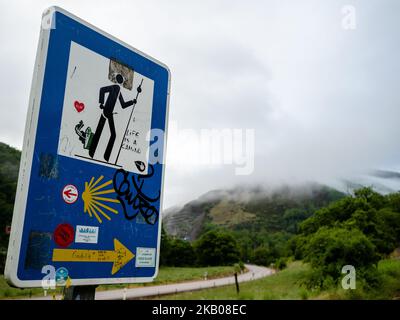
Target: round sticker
{"points": [[64, 235], [70, 193], [61, 276]]}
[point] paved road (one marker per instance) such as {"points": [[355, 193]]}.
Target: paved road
{"points": [[254, 272]]}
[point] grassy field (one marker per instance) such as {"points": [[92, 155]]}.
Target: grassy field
{"points": [[283, 285], [287, 285], [165, 276]]}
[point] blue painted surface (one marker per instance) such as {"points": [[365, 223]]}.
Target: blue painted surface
{"points": [[45, 207]]}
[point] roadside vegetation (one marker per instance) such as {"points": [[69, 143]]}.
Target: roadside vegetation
{"points": [[289, 285], [166, 275]]}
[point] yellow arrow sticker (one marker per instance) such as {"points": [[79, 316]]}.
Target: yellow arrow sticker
{"points": [[120, 256]]}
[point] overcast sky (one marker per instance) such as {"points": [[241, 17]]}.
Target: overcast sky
{"points": [[323, 100]]}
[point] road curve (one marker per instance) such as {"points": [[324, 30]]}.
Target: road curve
{"points": [[253, 273]]}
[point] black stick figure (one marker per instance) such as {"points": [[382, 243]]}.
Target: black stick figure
{"points": [[108, 112]]}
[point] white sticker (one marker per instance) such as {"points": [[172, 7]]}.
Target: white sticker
{"points": [[86, 234], [70, 194], [104, 121], [145, 257]]}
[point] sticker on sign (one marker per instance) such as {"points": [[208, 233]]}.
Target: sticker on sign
{"points": [[70, 194], [145, 257], [103, 122], [86, 234]]}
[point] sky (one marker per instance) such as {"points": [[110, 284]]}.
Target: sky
{"points": [[320, 95]]}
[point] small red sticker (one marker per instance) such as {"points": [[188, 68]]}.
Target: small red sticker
{"points": [[64, 235], [79, 106]]}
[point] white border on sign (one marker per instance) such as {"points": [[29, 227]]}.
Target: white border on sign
{"points": [[14, 247]]}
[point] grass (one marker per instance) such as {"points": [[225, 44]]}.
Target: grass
{"points": [[7, 292], [166, 275], [391, 277], [282, 285], [287, 285]]}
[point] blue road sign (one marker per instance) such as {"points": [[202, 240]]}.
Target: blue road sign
{"points": [[89, 193]]}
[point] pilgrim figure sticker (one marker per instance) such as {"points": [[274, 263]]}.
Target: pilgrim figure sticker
{"points": [[106, 112]]}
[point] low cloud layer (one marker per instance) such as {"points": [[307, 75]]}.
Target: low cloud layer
{"points": [[322, 100]]}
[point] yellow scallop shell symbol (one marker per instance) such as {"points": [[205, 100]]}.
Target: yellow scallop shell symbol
{"points": [[95, 201]]}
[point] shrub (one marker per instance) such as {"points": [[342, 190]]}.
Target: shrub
{"points": [[329, 249], [216, 248], [280, 263], [262, 256]]}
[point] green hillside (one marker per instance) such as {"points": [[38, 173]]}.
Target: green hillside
{"points": [[249, 209], [9, 166], [262, 221]]}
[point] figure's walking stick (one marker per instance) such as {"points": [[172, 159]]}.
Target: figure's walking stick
{"points": [[139, 90]]}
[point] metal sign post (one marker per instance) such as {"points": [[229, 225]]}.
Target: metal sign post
{"points": [[89, 192], [80, 293]]}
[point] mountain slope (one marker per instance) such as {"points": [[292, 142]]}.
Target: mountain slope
{"points": [[253, 209], [9, 166]]}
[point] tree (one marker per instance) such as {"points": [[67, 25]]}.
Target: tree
{"points": [[181, 254], [357, 230], [164, 247], [176, 252], [262, 256], [342, 210], [293, 217], [380, 226], [329, 249], [216, 248], [8, 182], [375, 215]]}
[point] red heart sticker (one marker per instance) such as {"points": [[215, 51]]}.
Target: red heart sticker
{"points": [[79, 106]]}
